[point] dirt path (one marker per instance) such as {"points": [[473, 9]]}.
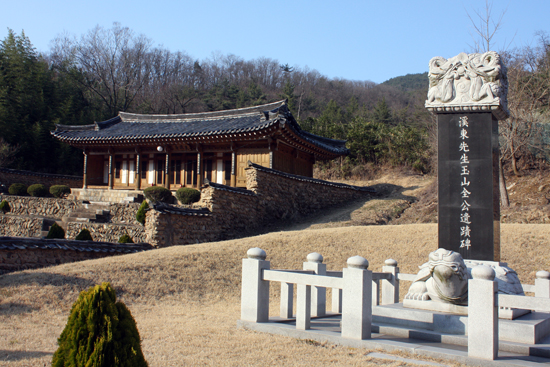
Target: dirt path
{"points": [[390, 201]]}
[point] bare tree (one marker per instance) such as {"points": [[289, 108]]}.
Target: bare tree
{"points": [[7, 153], [114, 64]]}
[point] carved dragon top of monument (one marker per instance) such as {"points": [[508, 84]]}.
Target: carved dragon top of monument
{"points": [[468, 83]]}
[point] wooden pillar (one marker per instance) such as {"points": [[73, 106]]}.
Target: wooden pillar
{"points": [[138, 171], [167, 171], [233, 170], [111, 178], [199, 169], [85, 175]]}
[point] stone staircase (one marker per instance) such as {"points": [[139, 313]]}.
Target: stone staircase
{"points": [[108, 196], [96, 212]]}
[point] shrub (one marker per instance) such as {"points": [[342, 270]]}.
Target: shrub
{"points": [[5, 206], [140, 215], [100, 332], [84, 235], [125, 238], [60, 191], [18, 189], [56, 231], [157, 194], [187, 195], [37, 190]]}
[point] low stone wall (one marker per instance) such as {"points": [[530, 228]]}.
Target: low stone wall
{"points": [[31, 253], [106, 232], [10, 176], [124, 213], [271, 196], [17, 226], [45, 207]]}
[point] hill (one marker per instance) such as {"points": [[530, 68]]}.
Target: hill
{"points": [[409, 82], [186, 299]]}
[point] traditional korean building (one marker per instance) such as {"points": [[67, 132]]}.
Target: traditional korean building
{"points": [[133, 151]]}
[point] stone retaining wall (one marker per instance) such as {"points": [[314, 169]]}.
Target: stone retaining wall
{"points": [[11, 176], [31, 253], [124, 213], [105, 232], [17, 226], [271, 196], [45, 207]]}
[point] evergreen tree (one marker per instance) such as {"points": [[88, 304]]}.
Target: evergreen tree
{"points": [[100, 332]]}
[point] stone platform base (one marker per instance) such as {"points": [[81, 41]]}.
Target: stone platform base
{"points": [[527, 329], [503, 313]]}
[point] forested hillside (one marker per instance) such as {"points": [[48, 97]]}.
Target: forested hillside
{"points": [[92, 77]]}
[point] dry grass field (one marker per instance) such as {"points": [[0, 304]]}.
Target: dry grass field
{"points": [[186, 299]]}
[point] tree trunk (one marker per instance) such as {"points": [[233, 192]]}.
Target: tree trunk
{"points": [[504, 200]]}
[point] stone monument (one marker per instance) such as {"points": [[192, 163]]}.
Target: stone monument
{"points": [[468, 95]]}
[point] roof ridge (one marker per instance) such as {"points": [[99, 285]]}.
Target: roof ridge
{"points": [[135, 117]]}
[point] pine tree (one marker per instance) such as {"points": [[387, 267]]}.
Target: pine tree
{"points": [[100, 332]]}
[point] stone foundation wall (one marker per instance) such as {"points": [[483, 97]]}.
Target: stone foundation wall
{"points": [[16, 226], [45, 207], [105, 232], [271, 196], [124, 213], [18, 253], [10, 176]]}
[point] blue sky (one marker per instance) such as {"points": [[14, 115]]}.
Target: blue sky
{"points": [[356, 40]]}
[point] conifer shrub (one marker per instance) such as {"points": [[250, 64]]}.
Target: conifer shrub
{"points": [[60, 191], [37, 190], [5, 206], [100, 332], [140, 215], [125, 238], [156, 194], [56, 232], [84, 235], [18, 189], [187, 195]]}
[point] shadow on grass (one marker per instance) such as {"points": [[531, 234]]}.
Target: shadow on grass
{"points": [[15, 308], [18, 355], [385, 190]]}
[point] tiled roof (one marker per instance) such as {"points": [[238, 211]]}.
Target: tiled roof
{"points": [[171, 209], [313, 180], [23, 243], [128, 128]]}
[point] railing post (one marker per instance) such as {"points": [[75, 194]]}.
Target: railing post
{"points": [[483, 314], [542, 284], [318, 294], [287, 301], [255, 290], [357, 293], [336, 300], [390, 288], [303, 307]]}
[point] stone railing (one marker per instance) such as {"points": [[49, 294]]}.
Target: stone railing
{"points": [[270, 197], [484, 302], [18, 253], [351, 292], [357, 291], [11, 176]]}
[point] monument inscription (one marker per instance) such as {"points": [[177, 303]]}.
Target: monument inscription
{"points": [[469, 211]]}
